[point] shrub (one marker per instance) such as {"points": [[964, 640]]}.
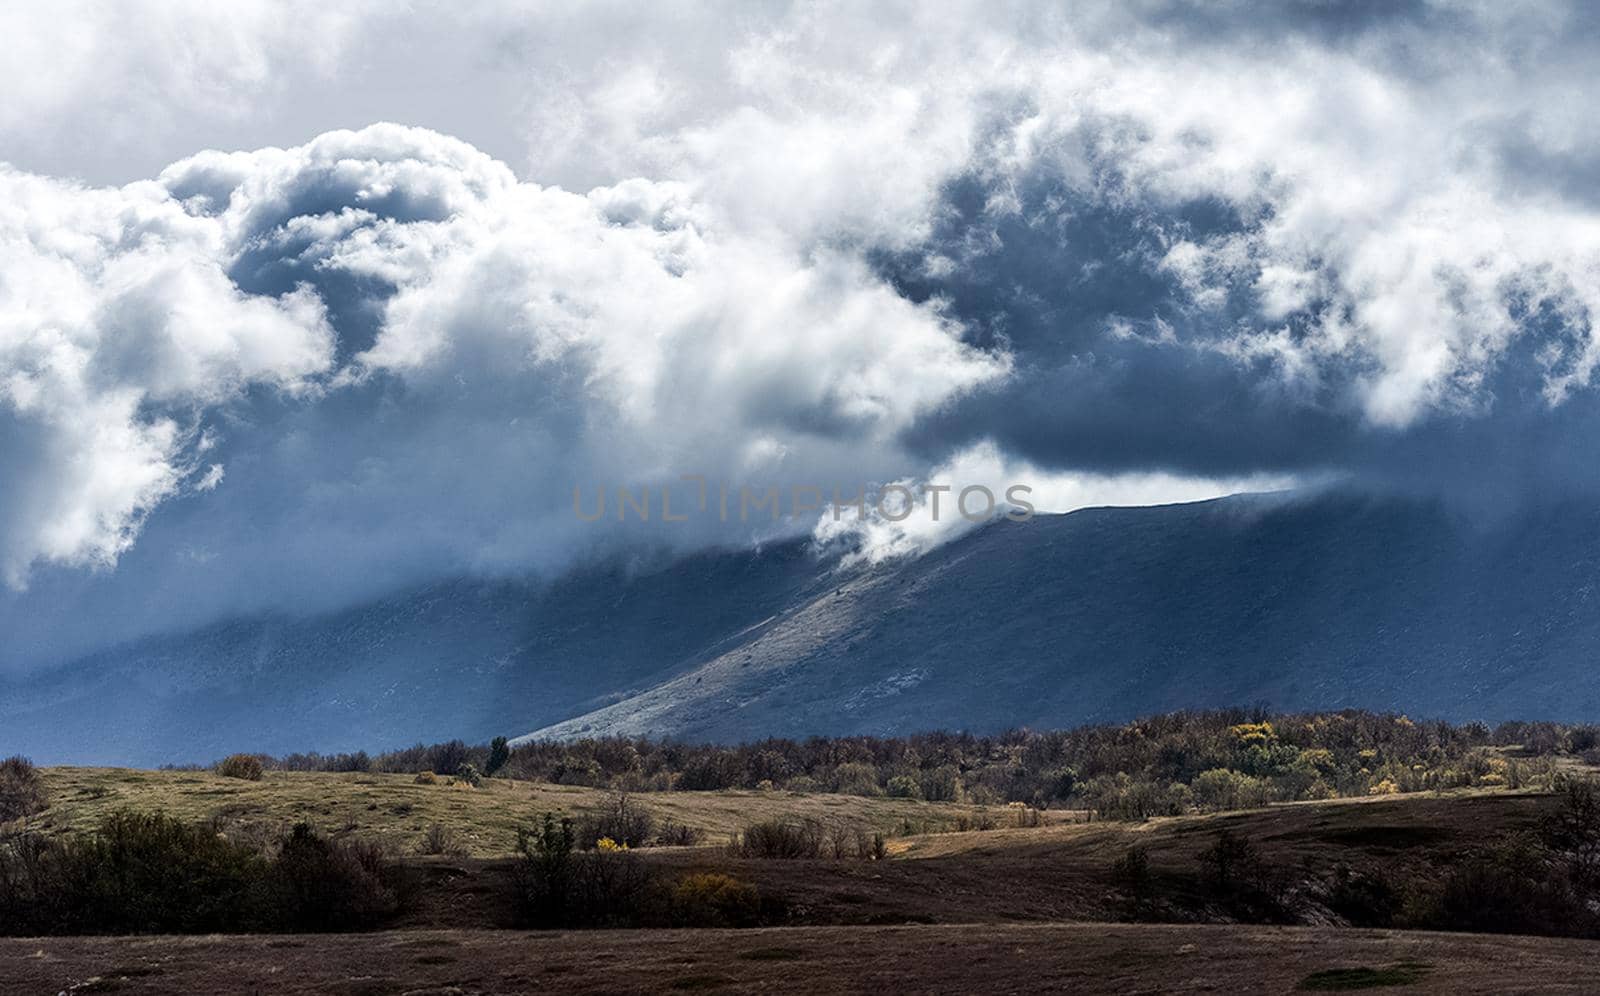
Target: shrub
{"points": [[138, 873], [442, 840], [426, 778], [622, 820], [856, 779], [1363, 899], [558, 886], [674, 834], [318, 885], [905, 787], [245, 766], [499, 754], [21, 789], [544, 873], [1238, 878], [150, 873], [447, 758], [711, 899], [1131, 872], [466, 774], [781, 839], [1221, 788]]}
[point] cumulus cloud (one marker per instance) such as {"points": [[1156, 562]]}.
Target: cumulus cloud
{"points": [[1134, 252], [523, 339], [118, 323]]}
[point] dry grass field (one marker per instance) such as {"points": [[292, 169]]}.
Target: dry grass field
{"points": [[394, 810]]}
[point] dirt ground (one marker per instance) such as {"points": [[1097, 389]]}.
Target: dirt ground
{"points": [[1077, 958]]}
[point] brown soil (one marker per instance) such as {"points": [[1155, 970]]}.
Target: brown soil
{"points": [[1078, 958]]}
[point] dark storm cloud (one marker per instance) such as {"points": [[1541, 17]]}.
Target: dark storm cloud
{"points": [[1138, 252]]}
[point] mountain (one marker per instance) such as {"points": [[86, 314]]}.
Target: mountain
{"points": [[1299, 601]]}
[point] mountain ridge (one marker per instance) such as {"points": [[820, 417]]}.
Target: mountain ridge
{"points": [[1302, 601]]}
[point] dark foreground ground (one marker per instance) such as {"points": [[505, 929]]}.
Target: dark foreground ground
{"points": [[1077, 958]]}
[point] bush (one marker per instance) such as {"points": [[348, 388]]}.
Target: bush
{"points": [[559, 886], [245, 766], [1363, 899], [150, 873], [321, 885], [446, 758], [1220, 788], [1131, 872], [21, 789], [905, 787], [711, 899], [466, 774], [139, 873], [622, 820], [674, 834], [442, 840], [499, 754], [1241, 881], [856, 779], [781, 839]]}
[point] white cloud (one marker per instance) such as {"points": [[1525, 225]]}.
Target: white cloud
{"points": [[638, 342], [677, 275], [117, 321], [1002, 487]]}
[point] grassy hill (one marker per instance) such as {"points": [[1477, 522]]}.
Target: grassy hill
{"points": [[1272, 890], [393, 810]]}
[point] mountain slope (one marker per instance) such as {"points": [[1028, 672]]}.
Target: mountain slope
{"points": [[1109, 613], [1304, 602]]}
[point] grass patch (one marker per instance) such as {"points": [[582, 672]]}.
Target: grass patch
{"points": [[485, 820], [1346, 979]]}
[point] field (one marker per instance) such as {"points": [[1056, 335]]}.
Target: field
{"points": [[1006, 908], [396, 811]]}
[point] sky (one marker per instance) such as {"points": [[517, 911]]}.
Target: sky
{"points": [[304, 303]]}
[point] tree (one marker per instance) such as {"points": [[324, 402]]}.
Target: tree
{"points": [[499, 754]]}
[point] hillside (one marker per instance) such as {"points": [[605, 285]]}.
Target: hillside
{"points": [[1299, 601], [1034, 907]]}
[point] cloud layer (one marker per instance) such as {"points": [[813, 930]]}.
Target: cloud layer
{"points": [[1137, 252]]}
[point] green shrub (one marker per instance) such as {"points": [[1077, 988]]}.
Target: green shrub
{"points": [[905, 787], [499, 754], [561, 887], [138, 873], [466, 774], [856, 779], [245, 766], [150, 873], [711, 899], [21, 789]]}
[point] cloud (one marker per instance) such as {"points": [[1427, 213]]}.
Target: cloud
{"points": [[981, 484], [117, 324], [392, 359], [1139, 251]]}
